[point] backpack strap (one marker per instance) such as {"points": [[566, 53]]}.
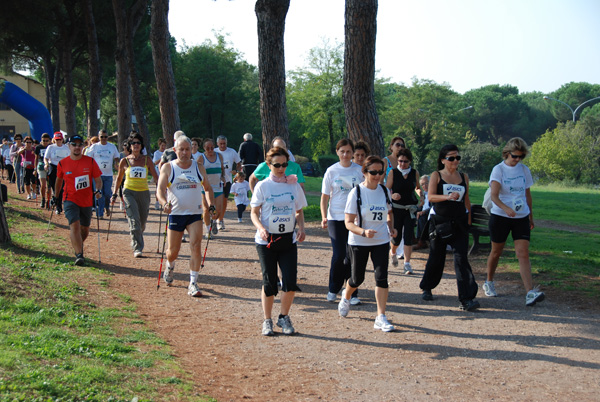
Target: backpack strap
{"points": [[387, 197], [358, 204]]}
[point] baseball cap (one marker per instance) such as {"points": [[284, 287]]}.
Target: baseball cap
{"points": [[58, 136], [75, 137]]}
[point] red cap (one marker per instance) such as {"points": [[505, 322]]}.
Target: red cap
{"points": [[58, 135]]}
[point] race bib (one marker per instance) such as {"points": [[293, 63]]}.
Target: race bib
{"points": [[281, 220], [137, 172], [376, 213], [82, 182], [26, 163], [518, 204], [454, 188]]}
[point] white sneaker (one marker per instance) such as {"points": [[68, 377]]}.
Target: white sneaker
{"points": [[168, 276], [355, 301], [394, 260], [137, 254], [534, 296], [239, 220], [343, 307], [33, 196], [489, 289], [286, 325], [267, 327], [121, 206], [382, 323], [331, 297], [407, 268], [194, 290], [28, 196], [221, 225], [157, 206]]}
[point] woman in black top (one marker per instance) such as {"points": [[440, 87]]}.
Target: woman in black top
{"points": [[402, 181], [449, 196]]}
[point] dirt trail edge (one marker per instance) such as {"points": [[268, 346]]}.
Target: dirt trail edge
{"points": [[504, 352]]}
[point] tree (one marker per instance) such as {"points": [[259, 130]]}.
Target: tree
{"points": [[573, 94], [271, 68], [163, 69], [360, 32], [94, 68]]}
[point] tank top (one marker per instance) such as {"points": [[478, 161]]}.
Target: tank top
{"points": [[451, 209], [28, 159], [136, 177], [213, 172], [185, 189], [405, 187]]}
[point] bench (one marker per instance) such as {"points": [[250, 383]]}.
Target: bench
{"points": [[479, 227]]}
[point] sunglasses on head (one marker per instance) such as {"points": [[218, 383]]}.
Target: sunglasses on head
{"points": [[517, 156], [279, 165], [452, 158], [376, 172]]}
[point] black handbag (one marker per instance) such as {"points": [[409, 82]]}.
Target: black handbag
{"points": [[441, 229]]}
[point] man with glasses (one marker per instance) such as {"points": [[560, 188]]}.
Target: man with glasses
{"points": [[42, 174], [54, 154], [106, 156], [77, 172]]}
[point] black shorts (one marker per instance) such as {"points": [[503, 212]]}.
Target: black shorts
{"points": [[74, 213], [227, 189], [501, 226], [28, 178], [178, 223]]}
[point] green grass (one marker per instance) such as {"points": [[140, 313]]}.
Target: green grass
{"points": [[57, 345]]}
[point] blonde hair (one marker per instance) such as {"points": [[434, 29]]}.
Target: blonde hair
{"points": [[515, 144]]}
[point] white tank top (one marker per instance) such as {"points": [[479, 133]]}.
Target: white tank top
{"points": [[185, 190]]}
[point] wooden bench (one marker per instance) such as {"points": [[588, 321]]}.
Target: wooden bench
{"points": [[479, 227]]}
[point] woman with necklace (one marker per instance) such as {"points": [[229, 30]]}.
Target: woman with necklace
{"points": [[369, 219], [134, 168], [338, 180], [449, 196], [277, 204]]}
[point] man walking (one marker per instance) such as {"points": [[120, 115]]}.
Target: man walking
{"points": [[251, 154], [77, 172], [231, 164], [106, 156]]}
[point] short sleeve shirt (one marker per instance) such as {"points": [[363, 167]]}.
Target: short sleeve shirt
{"points": [[230, 159], [337, 183], [374, 210], [78, 176], [514, 181], [104, 155]]}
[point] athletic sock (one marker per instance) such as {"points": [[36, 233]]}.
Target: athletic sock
{"points": [[171, 265], [193, 276]]}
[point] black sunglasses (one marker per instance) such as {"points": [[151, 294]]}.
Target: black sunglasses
{"points": [[136, 143], [376, 172], [76, 144], [453, 158], [103, 136], [278, 165], [517, 156]]}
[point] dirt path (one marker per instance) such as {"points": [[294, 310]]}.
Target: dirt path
{"points": [[504, 351]]}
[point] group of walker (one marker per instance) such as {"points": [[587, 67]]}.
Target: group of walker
{"points": [[365, 218]]}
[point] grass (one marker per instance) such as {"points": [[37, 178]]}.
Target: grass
{"points": [[56, 344]]}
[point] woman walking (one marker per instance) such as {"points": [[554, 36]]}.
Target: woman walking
{"points": [[277, 205], [134, 168], [510, 184], [370, 221], [27, 154], [15, 157], [215, 174], [449, 195]]}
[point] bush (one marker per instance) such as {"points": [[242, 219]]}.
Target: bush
{"points": [[479, 158], [324, 161], [300, 159]]}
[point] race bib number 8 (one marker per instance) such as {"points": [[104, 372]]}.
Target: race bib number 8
{"points": [[82, 182], [137, 172], [281, 223]]}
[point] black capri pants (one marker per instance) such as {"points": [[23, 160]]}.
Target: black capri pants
{"points": [[286, 255], [379, 256], [405, 225]]}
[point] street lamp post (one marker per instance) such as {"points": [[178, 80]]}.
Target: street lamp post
{"points": [[574, 112]]}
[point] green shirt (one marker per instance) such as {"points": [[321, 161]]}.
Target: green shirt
{"points": [[262, 171]]}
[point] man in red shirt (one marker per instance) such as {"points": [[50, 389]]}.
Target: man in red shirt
{"points": [[77, 172]]}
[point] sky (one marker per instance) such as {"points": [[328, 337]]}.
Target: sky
{"points": [[535, 45]]}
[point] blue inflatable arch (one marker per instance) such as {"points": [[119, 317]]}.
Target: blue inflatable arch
{"points": [[28, 107]]}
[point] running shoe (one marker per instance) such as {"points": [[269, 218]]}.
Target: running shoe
{"points": [[43, 203], [79, 260], [344, 307], [286, 325], [137, 254], [214, 228], [157, 206], [355, 301], [383, 324], [331, 297], [221, 225], [122, 206], [489, 289], [107, 212], [469, 305], [194, 290], [267, 328], [28, 196], [534, 296], [33, 196], [168, 275], [394, 260], [427, 295], [407, 268], [239, 220]]}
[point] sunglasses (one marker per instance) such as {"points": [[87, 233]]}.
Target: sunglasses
{"points": [[279, 165], [28, 142], [399, 144], [517, 156], [376, 172], [453, 158], [103, 136], [76, 144], [403, 161], [136, 143]]}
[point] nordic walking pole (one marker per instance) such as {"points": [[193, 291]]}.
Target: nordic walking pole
{"points": [[158, 233], [98, 221], [163, 254], [112, 205], [212, 222], [51, 213]]}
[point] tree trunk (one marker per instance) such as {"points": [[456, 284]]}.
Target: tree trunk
{"points": [[52, 71], [122, 72], [4, 231], [71, 99], [362, 121], [95, 70], [271, 69], [163, 70]]}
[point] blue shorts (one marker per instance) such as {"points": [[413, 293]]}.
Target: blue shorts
{"points": [[178, 223], [501, 226]]}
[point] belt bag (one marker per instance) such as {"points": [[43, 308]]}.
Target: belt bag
{"points": [[441, 229], [410, 208]]}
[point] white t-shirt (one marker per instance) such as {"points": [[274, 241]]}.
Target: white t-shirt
{"points": [[104, 155], [374, 211], [337, 183], [55, 154], [514, 180], [241, 189], [279, 203], [230, 159], [156, 158]]}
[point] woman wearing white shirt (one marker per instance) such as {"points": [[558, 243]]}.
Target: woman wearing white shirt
{"points": [[369, 205], [277, 205], [510, 184], [338, 180]]}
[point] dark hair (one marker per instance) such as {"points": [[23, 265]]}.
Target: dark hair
{"points": [[446, 149], [46, 135], [343, 142], [406, 152], [17, 137], [371, 160], [132, 137], [28, 138], [276, 151], [396, 138], [362, 145]]}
